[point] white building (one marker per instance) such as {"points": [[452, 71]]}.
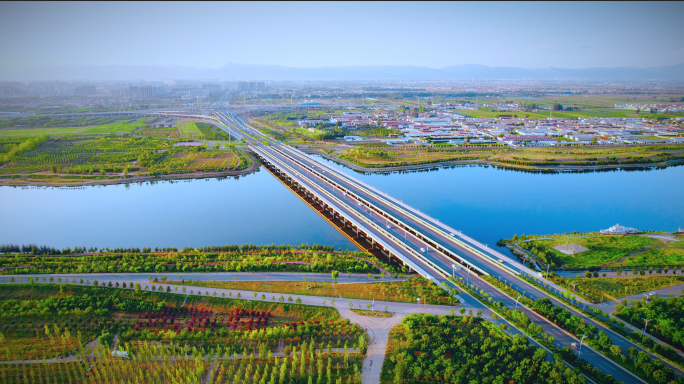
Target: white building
{"points": [[618, 229]]}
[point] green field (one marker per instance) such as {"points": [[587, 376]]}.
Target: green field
{"points": [[602, 251], [188, 129], [118, 126], [75, 159]]}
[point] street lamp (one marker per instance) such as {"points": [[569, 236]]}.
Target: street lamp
{"points": [[454, 268], [516, 302], [646, 325], [467, 277], [579, 352]]}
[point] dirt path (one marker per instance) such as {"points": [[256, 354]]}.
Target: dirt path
{"points": [[378, 330]]}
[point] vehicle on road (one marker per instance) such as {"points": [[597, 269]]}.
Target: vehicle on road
{"points": [[422, 250]]}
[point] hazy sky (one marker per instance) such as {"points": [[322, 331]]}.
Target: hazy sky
{"points": [[531, 35]]}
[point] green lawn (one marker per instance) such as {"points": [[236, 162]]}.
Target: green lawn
{"points": [[603, 250], [42, 131], [659, 256], [119, 126], [188, 129], [116, 127]]}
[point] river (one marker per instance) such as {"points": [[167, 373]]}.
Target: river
{"points": [[485, 203]]}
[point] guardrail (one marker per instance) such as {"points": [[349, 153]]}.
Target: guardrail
{"points": [[362, 217], [436, 268], [423, 238]]}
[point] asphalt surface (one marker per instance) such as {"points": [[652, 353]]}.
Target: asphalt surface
{"points": [[379, 210], [459, 245], [213, 276]]}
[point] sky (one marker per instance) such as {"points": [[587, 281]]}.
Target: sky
{"points": [[209, 35]]}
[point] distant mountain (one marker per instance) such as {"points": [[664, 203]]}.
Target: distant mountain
{"points": [[387, 72]]}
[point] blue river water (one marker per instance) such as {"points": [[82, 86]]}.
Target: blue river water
{"points": [[486, 203]]}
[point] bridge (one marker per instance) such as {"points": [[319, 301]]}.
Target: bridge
{"points": [[393, 230]]}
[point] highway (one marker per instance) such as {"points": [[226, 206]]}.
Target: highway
{"points": [[420, 242], [441, 252], [423, 243], [420, 233]]}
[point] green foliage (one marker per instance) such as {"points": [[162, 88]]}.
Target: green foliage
{"points": [[210, 132], [667, 318], [450, 349], [598, 290], [601, 250], [105, 339], [245, 258], [188, 129], [16, 150]]}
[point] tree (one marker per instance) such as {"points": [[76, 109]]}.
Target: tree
{"points": [[335, 275], [660, 376], [106, 339], [615, 350], [137, 287]]}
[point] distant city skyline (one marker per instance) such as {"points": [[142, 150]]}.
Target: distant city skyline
{"points": [[435, 35]]}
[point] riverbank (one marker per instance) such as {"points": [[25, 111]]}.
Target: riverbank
{"points": [[496, 164], [253, 167]]}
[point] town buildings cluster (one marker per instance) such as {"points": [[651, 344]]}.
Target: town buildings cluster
{"points": [[442, 124]]}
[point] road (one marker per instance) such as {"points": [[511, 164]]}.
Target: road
{"points": [[403, 231], [383, 209], [378, 328], [213, 276], [675, 290], [318, 176]]}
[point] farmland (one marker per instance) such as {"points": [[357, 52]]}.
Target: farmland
{"points": [[109, 158], [213, 336], [188, 129], [404, 291]]}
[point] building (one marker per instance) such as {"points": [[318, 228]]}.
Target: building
{"points": [[147, 92], [353, 138], [212, 89], [248, 86], [618, 229], [85, 90]]}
